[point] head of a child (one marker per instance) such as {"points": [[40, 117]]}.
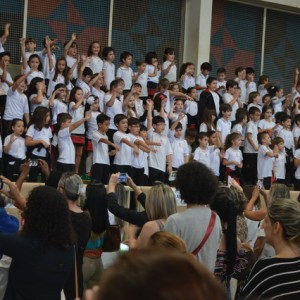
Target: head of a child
{"points": [[226, 110], [62, 91], [205, 68], [275, 91], [141, 66], [169, 54], [187, 68], [151, 58], [143, 132], [175, 87], [234, 140], [163, 84], [202, 140], [93, 102], [279, 116], [36, 84], [40, 118], [35, 63], [231, 86], [221, 74], [117, 86], [17, 127], [263, 79], [279, 142], [61, 67], [241, 116], [103, 122], [267, 99], [126, 59], [5, 58], [30, 44], [87, 74], [212, 137], [72, 51], [137, 88], [254, 98], [267, 112], [178, 131], [240, 72], [159, 100], [159, 124], [99, 82], [211, 83], [178, 105], [121, 122], [286, 122], [264, 139], [134, 126], [64, 120], [22, 85], [192, 92], [250, 73], [209, 118], [94, 49], [108, 53], [254, 114], [76, 94], [190, 136]]}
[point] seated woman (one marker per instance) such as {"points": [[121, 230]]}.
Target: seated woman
{"points": [[43, 253], [278, 277]]}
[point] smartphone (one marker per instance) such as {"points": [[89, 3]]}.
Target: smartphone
{"points": [[172, 176], [259, 185], [33, 163], [123, 177]]}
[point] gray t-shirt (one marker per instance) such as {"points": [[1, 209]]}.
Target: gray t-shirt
{"points": [[191, 226]]}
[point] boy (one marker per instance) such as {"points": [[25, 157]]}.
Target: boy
{"points": [[101, 163], [162, 155], [66, 149], [70, 54], [280, 160], [142, 78], [224, 124], [30, 45], [201, 79], [124, 71], [265, 159], [173, 116], [138, 102], [191, 107], [240, 72], [221, 84], [251, 146], [250, 84], [84, 75], [123, 158]]}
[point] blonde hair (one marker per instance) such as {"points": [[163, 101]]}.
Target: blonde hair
{"points": [[161, 202], [287, 212]]}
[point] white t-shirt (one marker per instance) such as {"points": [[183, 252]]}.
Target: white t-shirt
{"points": [[296, 132], [5, 86], [100, 150], [172, 74], [84, 86], [201, 81], [191, 107], [215, 161], [241, 130], [33, 74], [139, 108], [262, 91], [297, 172], [92, 125], [232, 154], [250, 88], [100, 94], [227, 98], [180, 150], [150, 70], [221, 92], [45, 62], [203, 128], [58, 107], [265, 125], [77, 114], [70, 62], [277, 104], [45, 134], [142, 79], [33, 106], [139, 160], [66, 147], [203, 155], [183, 122], [109, 70], [16, 105], [188, 81], [251, 128], [116, 108], [96, 64], [264, 162], [124, 156], [288, 137], [158, 159], [126, 74], [242, 86], [279, 163], [254, 105], [224, 127], [18, 148], [59, 79]]}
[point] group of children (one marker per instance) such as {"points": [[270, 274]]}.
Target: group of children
{"points": [[145, 123]]}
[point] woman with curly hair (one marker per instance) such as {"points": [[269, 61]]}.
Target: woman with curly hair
{"points": [[43, 253]]}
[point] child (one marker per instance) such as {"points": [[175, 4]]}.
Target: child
{"points": [[267, 100], [296, 87], [186, 76], [216, 155], [38, 139], [263, 85], [37, 94], [162, 155], [143, 135], [123, 158], [108, 53], [101, 163], [179, 145], [94, 54], [287, 135], [265, 159], [266, 123], [250, 84], [30, 45], [76, 110], [253, 100], [96, 85], [251, 147], [221, 84], [240, 72], [279, 161], [203, 152], [138, 161], [6, 78], [209, 121], [296, 130], [231, 97], [277, 98], [84, 76], [177, 112], [142, 78], [224, 124], [153, 71], [138, 102], [297, 165], [233, 157], [202, 78], [15, 150], [70, 54], [124, 71], [169, 68], [191, 107], [58, 101], [240, 124], [4, 36], [66, 149], [190, 137]]}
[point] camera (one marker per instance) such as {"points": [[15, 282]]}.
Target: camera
{"points": [[123, 177], [33, 163]]}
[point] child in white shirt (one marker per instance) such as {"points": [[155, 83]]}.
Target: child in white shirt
{"points": [[108, 53], [253, 100], [186, 76], [296, 130], [169, 68], [142, 78], [231, 97], [221, 84], [203, 152], [124, 71], [94, 53], [250, 84], [240, 124], [191, 107], [216, 155], [224, 124], [201, 79], [177, 113], [279, 161]]}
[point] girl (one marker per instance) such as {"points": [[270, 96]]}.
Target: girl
{"points": [[216, 155], [15, 150], [37, 94], [297, 165], [233, 157], [191, 107], [254, 99], [96, 85], [209, 121], [277, 97], [108, 53], [130, 111], [76, 110], [263, 85], [296, 130], [240, 124], [94, 53], [186, 76], [38, 139], [153, 70], [279, 161], [267, 100], [159, 105], [266, 123], [169, 68]]}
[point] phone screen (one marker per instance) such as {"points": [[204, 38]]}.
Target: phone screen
{"points": [[123, 177]]}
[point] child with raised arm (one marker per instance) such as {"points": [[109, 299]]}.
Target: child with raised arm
{"points": [[154, 72], [177, 112], [221, 77], [30, 45], [58, 102], [101, 163], [186, 76], [84, 75], [66, 148], [70, 54], [4, 36], [191, 107], [109, 68]]}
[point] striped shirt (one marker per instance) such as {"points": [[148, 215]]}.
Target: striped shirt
{"points": [[274, 278]]}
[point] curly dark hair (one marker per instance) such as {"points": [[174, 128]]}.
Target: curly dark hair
{"points": [[47, 218], [196, 183]]}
